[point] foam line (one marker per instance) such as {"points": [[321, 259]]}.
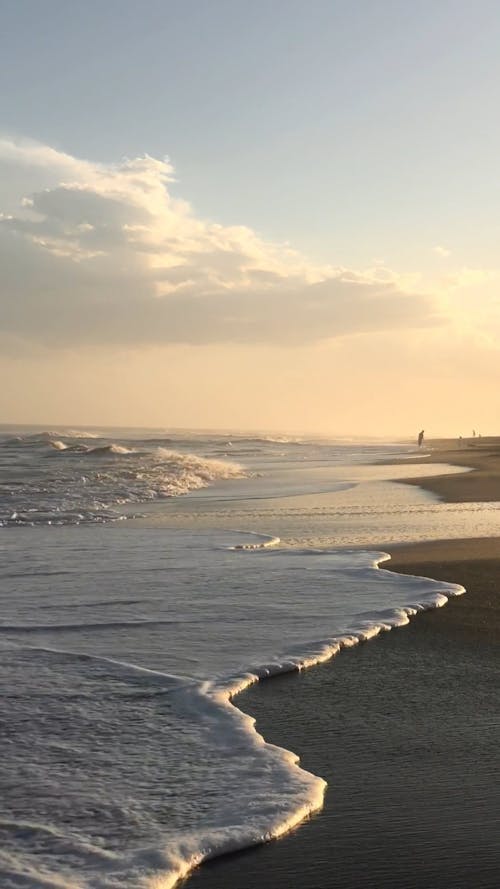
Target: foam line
{"points": [[262, 541], [310, 789]]}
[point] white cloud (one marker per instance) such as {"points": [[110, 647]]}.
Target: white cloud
{"points": [[441, 251], [102, 253]]}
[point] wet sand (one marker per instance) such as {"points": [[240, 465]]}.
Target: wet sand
{"points": [[406, 731], [473, 563], [482, 484]]}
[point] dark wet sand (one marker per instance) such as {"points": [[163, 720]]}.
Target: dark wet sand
{"points": [[481, 484], [406, 731]]}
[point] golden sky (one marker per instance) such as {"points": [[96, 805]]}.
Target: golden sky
{"points": [[120, 305]]}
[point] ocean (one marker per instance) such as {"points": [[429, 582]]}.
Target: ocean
{"points": [[146, 579]]}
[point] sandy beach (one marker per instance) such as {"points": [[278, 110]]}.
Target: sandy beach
{"points": [[404, 729], [482, 455]]}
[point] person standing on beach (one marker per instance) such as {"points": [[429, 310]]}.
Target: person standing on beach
{"points": [[421, 437]]}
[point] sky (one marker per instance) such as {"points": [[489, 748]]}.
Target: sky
{"points": [[267, 215]]}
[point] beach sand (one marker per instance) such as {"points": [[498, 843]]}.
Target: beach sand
{"points": [[405, 729], [482, 484]]}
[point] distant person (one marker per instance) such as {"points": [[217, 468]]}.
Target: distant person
{"points": [[421, 438]]}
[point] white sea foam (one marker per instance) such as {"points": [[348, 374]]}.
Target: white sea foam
{"points": [[272, 820], [110, 449], [90, 482], [257, 541], [82, 433], [144, 691], [58, 445], [275, 813], [127, 648]]}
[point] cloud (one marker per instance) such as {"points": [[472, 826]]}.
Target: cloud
{"points": [[441, 251], [104, 254]]}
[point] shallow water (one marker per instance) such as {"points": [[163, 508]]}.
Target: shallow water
{"points": [[124, 762]]}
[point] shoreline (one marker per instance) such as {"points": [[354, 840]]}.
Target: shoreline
{"points": [[403, 730], [470, 620], [481, 484]]}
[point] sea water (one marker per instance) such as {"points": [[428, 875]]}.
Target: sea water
{"points": [[143, 584]]}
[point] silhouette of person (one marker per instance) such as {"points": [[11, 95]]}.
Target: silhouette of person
{"points": [[421, 438]]}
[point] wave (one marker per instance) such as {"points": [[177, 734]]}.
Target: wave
{"points": [[281, 439], [81, 433], [296, 793], [47, 435], [68, 433], [111, 449], [276, 793], [58, 445], [205, 466], [239, 440], [262, 541], [90, 482], [309, 789]]}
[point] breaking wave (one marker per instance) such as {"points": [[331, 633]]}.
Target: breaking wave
{"points": [[58, 445], [68, 482], [248, 790], [111, 449]]}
